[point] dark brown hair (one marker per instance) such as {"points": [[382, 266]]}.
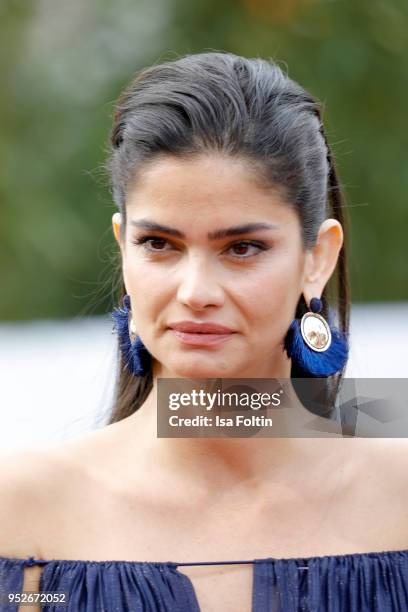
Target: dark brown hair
{"points": [[246, 108]]}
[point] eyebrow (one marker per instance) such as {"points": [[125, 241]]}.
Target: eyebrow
{"points": [[216, 235]]}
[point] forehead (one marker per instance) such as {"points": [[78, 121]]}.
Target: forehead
{"points": [[208, 185]]}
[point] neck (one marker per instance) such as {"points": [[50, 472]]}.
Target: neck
{"points": [[214, 464]]}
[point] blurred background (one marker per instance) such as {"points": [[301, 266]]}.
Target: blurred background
{"points": [[63, 64]]}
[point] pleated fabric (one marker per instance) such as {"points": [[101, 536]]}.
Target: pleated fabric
{"points": [[358, 582], [104, 586]]}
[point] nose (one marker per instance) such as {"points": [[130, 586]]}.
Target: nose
{"points": [[199, 286]]}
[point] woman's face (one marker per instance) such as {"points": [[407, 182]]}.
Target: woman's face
{"points": [[249, 282]]}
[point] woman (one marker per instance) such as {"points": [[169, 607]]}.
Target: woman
{"points": [[206, 143]]}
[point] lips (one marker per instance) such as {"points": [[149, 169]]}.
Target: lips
{"points": [[191, 333], [200, 328]]}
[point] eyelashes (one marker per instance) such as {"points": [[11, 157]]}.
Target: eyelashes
{"points": [[143, 242]]}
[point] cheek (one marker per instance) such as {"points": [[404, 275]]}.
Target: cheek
{"points": [[144, 286], [271, 296]]}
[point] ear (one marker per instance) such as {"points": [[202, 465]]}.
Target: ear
{"points": [[116, 226], [322, 258]]}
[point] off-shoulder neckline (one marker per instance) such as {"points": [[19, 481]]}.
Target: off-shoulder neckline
{"points": [[174, 564]]}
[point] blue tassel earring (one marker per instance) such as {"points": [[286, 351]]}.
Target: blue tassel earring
{"points": [[315, 347], [136, 356]]}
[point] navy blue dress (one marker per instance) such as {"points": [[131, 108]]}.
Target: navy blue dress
{"points": [[356, 582]]}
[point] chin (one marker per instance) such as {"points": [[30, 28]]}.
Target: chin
{"points": [[202, 370]]}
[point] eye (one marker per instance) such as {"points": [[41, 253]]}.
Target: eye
{"points": [[143, 240], [261, 246], [242, 244]]}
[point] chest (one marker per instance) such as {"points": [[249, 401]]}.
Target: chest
{"points": [[350, 512], [289, 523]]}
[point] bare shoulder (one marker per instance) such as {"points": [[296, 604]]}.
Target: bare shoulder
{"points": [[39, 484], [25, 474], [396, 462], [34, 483], [385, 464], [25, 477]]}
